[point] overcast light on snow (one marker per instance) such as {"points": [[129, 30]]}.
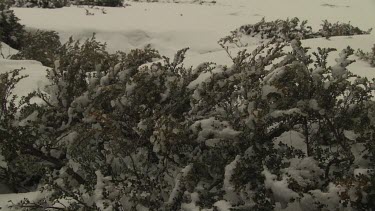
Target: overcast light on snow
{"points": [[169, 27]]}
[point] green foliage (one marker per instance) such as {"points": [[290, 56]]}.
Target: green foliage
{"points": [[14, 177], [11, 32], [42, 46], [131, 131]]}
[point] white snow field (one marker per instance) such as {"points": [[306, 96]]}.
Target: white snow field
{"points": [[169, 27]]}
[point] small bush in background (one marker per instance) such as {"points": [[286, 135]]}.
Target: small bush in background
{"points": [[107, 3], [287, 30], [62, 3], [340, 29], [41, 3]]}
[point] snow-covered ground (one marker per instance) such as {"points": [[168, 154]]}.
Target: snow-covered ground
{"points": [[169, 27], [35, 71]]}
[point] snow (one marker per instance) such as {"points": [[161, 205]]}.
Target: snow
{"points": [[192, 205], [228, 187], [330, 198], [279, 188], [203, 77], [36, 75], [212, 131], [98, 193], [179, 183], [293, 111], [222, 205], [293, 139], [6, 51], [358, 172], [7, 200]]}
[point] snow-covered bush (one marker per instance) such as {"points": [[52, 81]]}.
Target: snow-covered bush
{"points": [[108, 3], [283, 30], [6, 4], [368, 57], [340, 29], [11, 32], [41, 3], [62, 3], [42, 46], [288, 30], [136, 132]]}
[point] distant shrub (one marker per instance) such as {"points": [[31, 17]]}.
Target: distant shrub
{"points": [[369, 57], [41, 46], [340, 29], [62, 3], [287, 30], [42, 3], [108, 3]]}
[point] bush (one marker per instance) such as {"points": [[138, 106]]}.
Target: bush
{"points": [[62, 3], [42, 46], [41, 3], [368, 57], [288, 30], [340, 29], [109, 3], [118, 133], [11, 32], [6, 4]]}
